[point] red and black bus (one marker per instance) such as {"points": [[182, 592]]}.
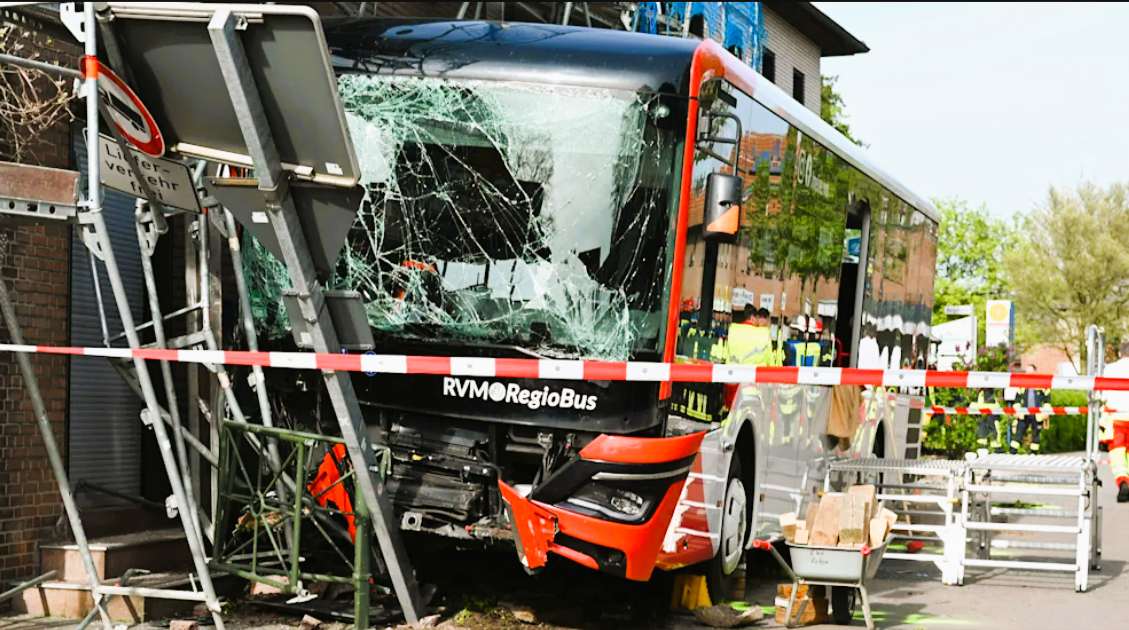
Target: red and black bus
{"points": [[545, 191]]}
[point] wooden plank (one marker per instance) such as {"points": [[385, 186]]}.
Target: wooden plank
{"points": [[889, 515], [871, 494], [879, 529], [805, 590], [814, 613], [809, 518], [854, 524], [788, 526], [826, 530], [803, 536]]}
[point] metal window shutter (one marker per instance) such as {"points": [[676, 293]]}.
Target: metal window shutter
{"points": [[104, 438]]}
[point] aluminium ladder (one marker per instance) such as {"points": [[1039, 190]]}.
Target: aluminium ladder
{"points": [[1071, 478], [944, 493]]}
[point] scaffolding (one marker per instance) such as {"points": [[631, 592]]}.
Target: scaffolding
{"points": [[232, 38]]}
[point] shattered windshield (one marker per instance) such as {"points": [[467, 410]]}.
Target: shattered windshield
{"points": [[514, 214]]}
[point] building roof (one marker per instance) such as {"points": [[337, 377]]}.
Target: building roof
{"points": [[833, 40]]}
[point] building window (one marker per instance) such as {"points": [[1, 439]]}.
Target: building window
{"points": [[798, 86], [698, 26], [737, 52], [768, 66]]}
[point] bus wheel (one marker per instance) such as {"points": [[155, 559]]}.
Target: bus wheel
{"points": [[736, 515]]}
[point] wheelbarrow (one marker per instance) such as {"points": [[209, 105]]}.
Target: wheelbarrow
{"points": [[844, 570]]}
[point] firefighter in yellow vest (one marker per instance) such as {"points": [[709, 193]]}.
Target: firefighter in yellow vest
{"points": [[991, 430], [1119, 421], [750, 341], [1029, 397], [804, 352]]}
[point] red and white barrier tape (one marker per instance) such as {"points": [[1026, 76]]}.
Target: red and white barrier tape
{"points": [[595, 370], [1012, 411]]}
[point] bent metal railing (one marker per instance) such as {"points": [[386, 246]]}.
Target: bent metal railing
{"points": [[255, 523]]}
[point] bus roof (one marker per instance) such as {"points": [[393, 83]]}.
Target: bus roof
{"points": [[535, 53], [569, 55]]}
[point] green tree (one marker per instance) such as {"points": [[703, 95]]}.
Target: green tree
{"points": [[970, 252], [1070, 267], [831, 109]]}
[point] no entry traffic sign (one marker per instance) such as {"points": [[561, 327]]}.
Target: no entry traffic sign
{"points": [[130, 117]]}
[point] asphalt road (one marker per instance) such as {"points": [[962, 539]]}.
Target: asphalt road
{"points": [[905, 595], [909, 595]]}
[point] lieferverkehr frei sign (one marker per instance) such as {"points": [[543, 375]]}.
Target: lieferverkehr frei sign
{"points": [[170, 181]]}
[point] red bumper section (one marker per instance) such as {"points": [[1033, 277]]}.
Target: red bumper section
{"points": [[542, 527]]}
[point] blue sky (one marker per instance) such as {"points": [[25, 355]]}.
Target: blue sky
{"points": [[989, 102]]}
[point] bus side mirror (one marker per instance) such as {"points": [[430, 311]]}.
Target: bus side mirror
{"points": [[723, 207]]}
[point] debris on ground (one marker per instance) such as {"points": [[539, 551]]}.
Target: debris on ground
{"points": [[542, 609], [309, 623], [815, 610], [184, 624], [427, 623], [725, 616], [522, 612], [261, 588]]}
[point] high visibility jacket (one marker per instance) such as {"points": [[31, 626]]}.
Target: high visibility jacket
{"points": [[328, 487], [807, 353], [1105, 423], [718, 351], [750, 345]]}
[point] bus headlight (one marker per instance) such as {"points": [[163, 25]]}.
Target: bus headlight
{"points": [[610, 503]]}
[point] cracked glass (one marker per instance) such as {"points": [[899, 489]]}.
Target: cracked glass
{"points": [[508, 214]]}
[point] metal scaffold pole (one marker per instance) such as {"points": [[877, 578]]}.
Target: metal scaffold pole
{"points": [[275, 186], [166, 369], [94, 224], [53, 455]]}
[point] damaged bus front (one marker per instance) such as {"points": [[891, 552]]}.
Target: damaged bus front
{"points": [[521, 192], [535, 191]]}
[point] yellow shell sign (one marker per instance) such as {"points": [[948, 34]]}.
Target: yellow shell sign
{"points": [[998, 313]]}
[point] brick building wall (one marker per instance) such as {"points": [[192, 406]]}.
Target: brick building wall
{"points": [[34, 263], [1051, 360], [793, 51]]}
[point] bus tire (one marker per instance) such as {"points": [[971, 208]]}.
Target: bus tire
{"points": [[737, 514]]}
